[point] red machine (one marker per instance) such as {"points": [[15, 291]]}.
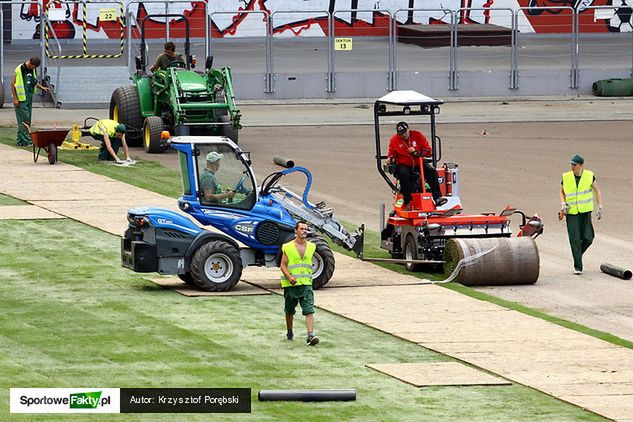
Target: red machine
{"points": [[419, 236]]}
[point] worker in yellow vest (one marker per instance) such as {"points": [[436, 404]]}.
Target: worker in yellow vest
{"points": [[578, 191], [296, 280], [22, 87], [112, 136]]}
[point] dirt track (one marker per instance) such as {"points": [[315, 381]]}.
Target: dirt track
{"points": [[515, 163]]}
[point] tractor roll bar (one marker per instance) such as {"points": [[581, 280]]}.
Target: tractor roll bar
{"points": [[413, 104], [165, 15]]}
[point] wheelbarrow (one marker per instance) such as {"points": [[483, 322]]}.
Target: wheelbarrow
{"points": [[48, 140]]}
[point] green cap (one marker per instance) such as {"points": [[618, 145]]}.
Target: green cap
{"points": [[577, 159], [120, 128]]}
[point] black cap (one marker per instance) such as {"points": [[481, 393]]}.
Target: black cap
{"points": [[402, 127]]}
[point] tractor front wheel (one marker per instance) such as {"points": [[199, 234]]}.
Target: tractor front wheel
{"points": [[152, 129], [322, 263], [216, 266], [227, 129]]}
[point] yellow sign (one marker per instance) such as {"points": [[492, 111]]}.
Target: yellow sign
{"points": [[108, 14], [342, 43]]}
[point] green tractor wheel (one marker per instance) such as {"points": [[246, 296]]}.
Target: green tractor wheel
{"points": [[227, 129], [125, 108], [152, 129], [220, 97]]}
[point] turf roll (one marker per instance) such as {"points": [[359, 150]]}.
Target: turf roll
{"points": [[492, 261]]}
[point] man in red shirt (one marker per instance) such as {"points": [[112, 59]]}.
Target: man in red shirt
{"points": [[404, 149]]}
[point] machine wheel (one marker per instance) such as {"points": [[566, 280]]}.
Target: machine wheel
{"points": [[187, 278], [151, 135], [52, 153], [216, 266], [227, 129], [125, 108], [1, 94], [322, 263], [411, 252], [220, 97]]}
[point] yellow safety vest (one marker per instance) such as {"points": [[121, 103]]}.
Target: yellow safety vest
{"points": [[579, 198], [19, 83], [299, 268], [110, 126]]}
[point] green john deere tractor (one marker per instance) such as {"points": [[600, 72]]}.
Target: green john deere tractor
{"points": [[177, 99]]}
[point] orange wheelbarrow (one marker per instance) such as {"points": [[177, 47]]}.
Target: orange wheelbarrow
{"points": [[48, 140]]}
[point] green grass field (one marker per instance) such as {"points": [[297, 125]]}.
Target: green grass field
{"points": [[71, 316]]}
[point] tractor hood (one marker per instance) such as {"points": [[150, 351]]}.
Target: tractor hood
{"points": [[191, 81]]}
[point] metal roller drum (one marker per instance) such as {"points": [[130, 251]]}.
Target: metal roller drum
{"points": [[493, 261]]}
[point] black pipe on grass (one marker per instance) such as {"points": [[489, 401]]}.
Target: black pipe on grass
{"points": [[306, 395], [284, 162], [616, 271]]}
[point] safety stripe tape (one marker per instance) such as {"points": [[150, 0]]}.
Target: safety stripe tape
{"points": [[85, 30], [291, 267], [85, 39]]}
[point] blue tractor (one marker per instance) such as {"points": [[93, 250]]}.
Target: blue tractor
{"points": [[235, 222]]}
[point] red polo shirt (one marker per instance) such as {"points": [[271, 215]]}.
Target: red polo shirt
{"points": [[398, 148]]}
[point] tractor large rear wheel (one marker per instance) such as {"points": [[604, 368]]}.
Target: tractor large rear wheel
{"points": [[322, 263], [152, 129], [125, 108], [216, 266]]}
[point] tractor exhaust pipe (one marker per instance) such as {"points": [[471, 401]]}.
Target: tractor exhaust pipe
{"points": [[616, 271]]}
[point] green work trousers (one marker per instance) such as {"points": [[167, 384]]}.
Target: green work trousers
{"points": [[580, 232], [24, 111]]}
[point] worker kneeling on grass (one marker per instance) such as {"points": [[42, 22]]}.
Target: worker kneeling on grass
{"points": [[296, 280], [112, 137]]}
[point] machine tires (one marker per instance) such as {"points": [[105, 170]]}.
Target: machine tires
{"points": [[52, 153], [216, 266], [220, 97], [227, 129], [187, 278], [322, 263], [152, 129], [411, 252], [125, 108]]}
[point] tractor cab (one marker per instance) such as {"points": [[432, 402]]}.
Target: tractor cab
{"points": [[220, 190], [215, 173], [418, 110]]}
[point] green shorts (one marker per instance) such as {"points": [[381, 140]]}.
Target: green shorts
{"points": [[302, 295]]}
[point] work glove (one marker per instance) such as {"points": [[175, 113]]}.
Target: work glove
{"points": [[599, 213]]}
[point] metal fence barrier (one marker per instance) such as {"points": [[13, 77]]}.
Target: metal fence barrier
{"points": [[400, 65]]}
